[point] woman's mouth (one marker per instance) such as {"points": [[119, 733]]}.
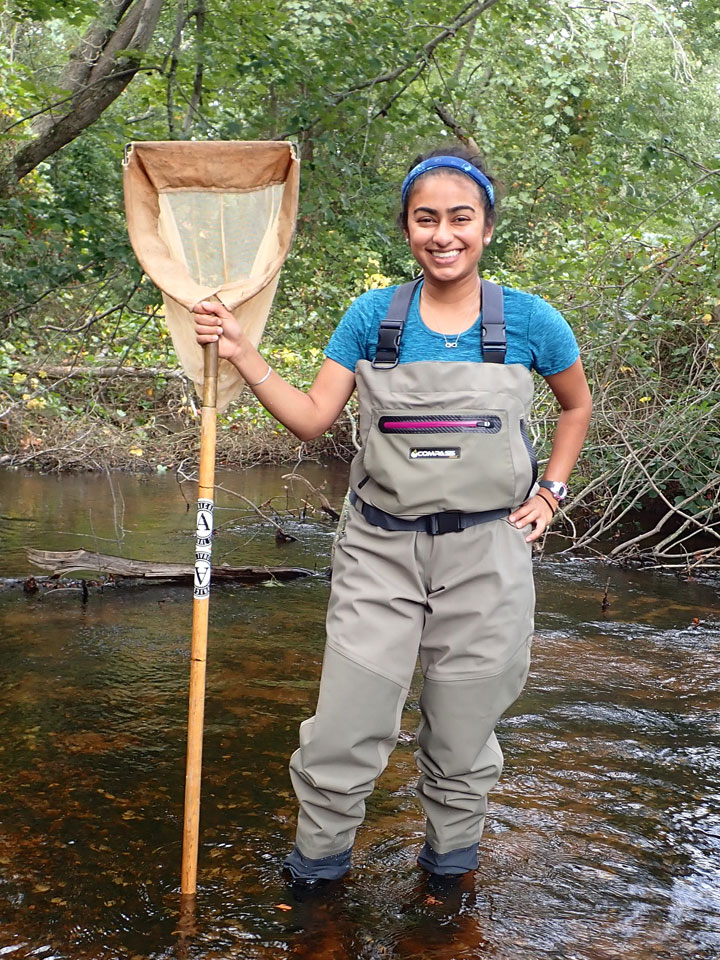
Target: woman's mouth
{"points": [[444, 256]]}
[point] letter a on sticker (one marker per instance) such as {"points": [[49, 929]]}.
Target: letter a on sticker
{"points": [[202, 577], [204, 524]]}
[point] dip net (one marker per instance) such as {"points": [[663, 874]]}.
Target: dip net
{"points": [[212, 220]]}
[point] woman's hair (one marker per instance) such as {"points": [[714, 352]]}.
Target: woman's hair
{"points": [[463, 153]]}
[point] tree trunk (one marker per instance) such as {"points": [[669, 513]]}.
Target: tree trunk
{"points": [[97, 73], [197, 90]]}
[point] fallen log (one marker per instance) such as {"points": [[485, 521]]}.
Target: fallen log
{"points": [[106, 373], [68, 561]]}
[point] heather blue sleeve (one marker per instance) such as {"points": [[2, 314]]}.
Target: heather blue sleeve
{"points": [[552, 342], [351, 338]]}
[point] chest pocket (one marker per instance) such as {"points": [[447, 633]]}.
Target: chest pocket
{"points": [[468, 460]]}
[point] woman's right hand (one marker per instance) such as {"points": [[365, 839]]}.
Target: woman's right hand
{"points": [[214, 322]]}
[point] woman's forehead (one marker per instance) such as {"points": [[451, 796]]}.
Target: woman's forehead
{"points": [[444, 188]]}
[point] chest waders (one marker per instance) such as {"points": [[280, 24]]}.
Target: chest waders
{"points": [[427, 565]]}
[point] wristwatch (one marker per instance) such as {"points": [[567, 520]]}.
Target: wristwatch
{"points": [[558, 489]]}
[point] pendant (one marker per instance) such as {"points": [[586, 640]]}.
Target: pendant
{"points": [[451, 346]]}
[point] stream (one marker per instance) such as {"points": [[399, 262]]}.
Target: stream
{"points": [[603, 835]]}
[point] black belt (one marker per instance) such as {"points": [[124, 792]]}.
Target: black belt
{"points": [[434, 523]]}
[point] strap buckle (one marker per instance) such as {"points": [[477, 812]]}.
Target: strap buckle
{"points": [[388, 346], [494, 341], [448, 522]]}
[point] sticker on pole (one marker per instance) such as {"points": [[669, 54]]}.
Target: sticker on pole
{"points": [[203, 569], [204, 527], [203, 549]]}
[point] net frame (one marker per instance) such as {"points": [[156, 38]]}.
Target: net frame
{"points": [[155, 175]]}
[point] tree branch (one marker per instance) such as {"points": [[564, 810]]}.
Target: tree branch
{"points": [[665, 276], [110, 72], [196, 96], [464, 52], [454, 124], [469, 13], [173, 65], [86, 54]]}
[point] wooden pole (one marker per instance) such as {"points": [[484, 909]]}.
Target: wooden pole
{"points": [[201, 607]]}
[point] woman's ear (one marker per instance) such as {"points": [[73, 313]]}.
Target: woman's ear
{"points": [[488, 234]]}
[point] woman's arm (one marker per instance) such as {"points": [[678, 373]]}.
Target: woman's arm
{"points": [[307, 415], [573, 394]]}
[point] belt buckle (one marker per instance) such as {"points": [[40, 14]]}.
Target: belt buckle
{"points": [[448, 522]]}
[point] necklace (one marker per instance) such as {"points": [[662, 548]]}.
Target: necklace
{"points": [[452, 341], [451, 344]]}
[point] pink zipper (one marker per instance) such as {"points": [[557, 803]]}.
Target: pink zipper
{"points": [[434, 424], [438, 423]]}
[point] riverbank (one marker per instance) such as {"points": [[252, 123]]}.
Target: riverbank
{"points": [[644, 493], [143, 431]]}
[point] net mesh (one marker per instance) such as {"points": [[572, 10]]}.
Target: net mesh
{"points": [[221, 236], [212, 220]]}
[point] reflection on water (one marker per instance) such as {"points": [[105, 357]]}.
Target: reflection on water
{"points": [[603, 839]]}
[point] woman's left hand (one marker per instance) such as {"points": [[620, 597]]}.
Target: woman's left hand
{"points": [[537, 511]]}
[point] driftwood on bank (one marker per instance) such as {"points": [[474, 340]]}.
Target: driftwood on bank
{"points": [[67, 561], [55, 372]]}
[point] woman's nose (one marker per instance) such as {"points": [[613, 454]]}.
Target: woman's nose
{"points": [[443, 233]]}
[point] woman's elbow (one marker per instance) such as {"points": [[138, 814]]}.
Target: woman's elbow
{"points": [[314, 426], [307, 432], [584, 404]]}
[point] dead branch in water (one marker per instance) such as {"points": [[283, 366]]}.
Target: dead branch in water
{"points": [[324, 502], [68, 561]]}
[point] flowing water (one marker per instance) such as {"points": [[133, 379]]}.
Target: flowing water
{"points": [[603, 835]]}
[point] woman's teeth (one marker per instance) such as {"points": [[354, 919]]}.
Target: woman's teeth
{"points": [[444, 255]]}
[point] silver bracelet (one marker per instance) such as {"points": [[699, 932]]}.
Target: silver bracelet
{"points": [[262, 379]]}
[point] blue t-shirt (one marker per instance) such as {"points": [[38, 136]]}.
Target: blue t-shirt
{"points": [[538, 336]]}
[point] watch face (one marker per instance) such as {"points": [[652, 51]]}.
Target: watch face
{"points": [[556, 487]]}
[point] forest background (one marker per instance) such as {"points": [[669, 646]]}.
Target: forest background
{"points": [[602, 117]]}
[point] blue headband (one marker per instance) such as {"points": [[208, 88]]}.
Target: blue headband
{"points": [[453, 163]]}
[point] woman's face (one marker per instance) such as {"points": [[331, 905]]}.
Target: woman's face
{"points": [[446, 226]]}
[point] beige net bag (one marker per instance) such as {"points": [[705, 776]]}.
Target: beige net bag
{"points": [[212, 219]]}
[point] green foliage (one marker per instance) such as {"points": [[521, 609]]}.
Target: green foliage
{"points": [[602, 121], [70, 11]]}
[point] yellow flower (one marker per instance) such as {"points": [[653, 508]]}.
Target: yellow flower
{"points": [[136, 451], [377, 280]]}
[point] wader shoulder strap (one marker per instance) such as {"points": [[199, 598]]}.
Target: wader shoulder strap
{"points": [[391, 328], [494, 336]]}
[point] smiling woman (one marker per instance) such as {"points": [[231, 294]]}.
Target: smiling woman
{"points": [[435, 559], [447, 231]]}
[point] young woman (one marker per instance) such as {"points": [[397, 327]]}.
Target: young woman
{"points": [[435, 559]]}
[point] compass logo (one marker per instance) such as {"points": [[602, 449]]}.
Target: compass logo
{"points": [[435, 453]]}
